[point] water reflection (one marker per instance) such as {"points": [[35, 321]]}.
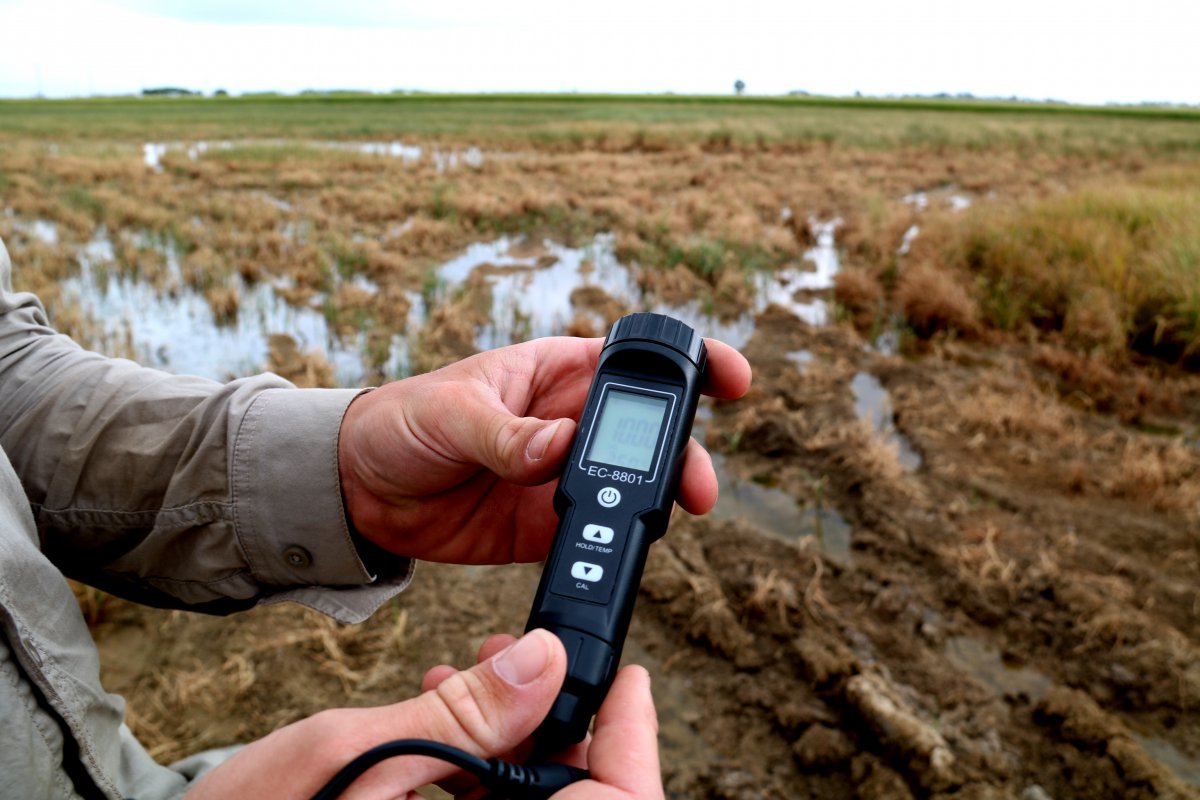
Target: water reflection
{"points": [[790, 288], [1186, 768], [531, 295], [801, 358], [153, 153], [985, 663], [679, 710], [873, 405], [773, 510], [43, 230], [170, 325], [176, 330]]}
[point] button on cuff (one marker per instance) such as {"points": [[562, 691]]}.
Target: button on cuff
{"points": [[297, 557]]}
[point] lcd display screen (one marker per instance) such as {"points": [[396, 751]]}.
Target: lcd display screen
{"points": [[627, 433]]}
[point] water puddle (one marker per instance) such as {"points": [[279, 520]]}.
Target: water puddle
{"points": [[443, 160], [680, 712], [1186, 768], [790, 288], [887, 343], [959, 202], [152, 155], [278, 202], [43, 230], [985, 663], [532, 285], [531, 294], [907, 240], [408, 153], [831, 531], [154, 152], [920, 200], [873, 405], [472, 157], [801, 358], [773, 510], [176, 330]]}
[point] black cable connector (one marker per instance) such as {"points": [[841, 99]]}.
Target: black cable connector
{"points": [[506, 780]]}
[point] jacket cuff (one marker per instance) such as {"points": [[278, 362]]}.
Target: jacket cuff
{"points": [[288, 510]]}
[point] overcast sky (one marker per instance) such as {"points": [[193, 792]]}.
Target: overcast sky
{"points": [[1086, 52]]}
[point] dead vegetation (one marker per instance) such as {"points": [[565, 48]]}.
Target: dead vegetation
{"points": [[1043, 379]]}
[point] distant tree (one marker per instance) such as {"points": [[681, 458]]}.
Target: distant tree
{"points": [[168, 91], [739, 86], [220, 93]]}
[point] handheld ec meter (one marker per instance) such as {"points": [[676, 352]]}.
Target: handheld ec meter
{"points": [[614, 499]]}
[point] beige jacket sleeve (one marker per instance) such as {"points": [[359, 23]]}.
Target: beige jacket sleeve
{"points": [[179, 491]]}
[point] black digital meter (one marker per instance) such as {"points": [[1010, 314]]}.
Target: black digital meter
{"points": [[614, 499]]}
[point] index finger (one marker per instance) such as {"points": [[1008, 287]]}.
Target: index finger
{"points": [[623, 757], [728, 374]]}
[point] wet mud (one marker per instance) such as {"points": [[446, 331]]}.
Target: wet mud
{"points": [[891, 599]]}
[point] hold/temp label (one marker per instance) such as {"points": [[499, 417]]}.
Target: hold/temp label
{"points": [[586, 571]]}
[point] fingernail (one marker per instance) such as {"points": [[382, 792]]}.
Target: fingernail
{"points": [[523, 661], [541, 441]]}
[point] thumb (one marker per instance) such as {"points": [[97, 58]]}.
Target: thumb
{"points": [[523, 450], [487, 710]]}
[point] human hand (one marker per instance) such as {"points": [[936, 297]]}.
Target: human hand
{"points": [[488, 710], [456, 465], [622, 754]]}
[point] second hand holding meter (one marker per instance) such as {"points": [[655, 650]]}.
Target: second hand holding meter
{"points": [[614, 499]]}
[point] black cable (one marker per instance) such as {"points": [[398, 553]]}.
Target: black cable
{"points": [[507, 780]]}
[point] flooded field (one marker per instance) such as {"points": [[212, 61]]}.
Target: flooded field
{"points": [[957, 547]]}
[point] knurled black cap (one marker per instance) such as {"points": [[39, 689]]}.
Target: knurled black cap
{"points": [[649, 327]]}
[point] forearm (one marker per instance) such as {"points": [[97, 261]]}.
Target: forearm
{"points": [[173, 489]]}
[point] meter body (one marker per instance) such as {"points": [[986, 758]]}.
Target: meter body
{"points": [[613, 500]]}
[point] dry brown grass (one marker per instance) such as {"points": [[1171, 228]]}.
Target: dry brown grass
{"points": [[1011, 408], [1093, 323], [307, 369], [1111, 264], [1162, 475], [860, 294], [93, 602], [224, 302], [932, 302], [1093, 383]]}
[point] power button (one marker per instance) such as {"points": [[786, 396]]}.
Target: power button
{"points": [[608, 497]]}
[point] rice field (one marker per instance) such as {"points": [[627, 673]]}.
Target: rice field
{"points": [[959, 530]]}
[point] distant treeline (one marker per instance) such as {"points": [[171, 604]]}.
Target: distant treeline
{"points": [[178, 91]]}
